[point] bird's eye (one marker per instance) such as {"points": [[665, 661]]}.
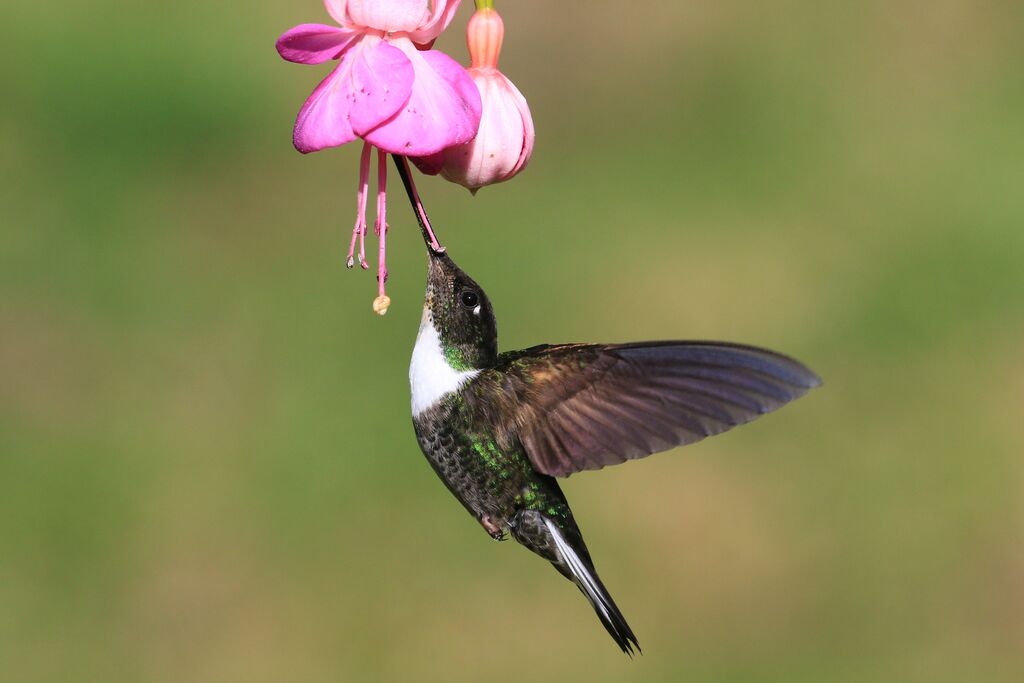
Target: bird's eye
{"points": [[469, 298]]}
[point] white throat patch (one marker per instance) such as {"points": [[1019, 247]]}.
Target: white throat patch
{"points": [[430, 376]]}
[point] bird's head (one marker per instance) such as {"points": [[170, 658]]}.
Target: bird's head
{"points": [[461, 313]]}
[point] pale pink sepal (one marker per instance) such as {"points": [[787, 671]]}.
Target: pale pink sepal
{"points": [[442, 14], [338, 11], [529, 133], [443, 109], [314, 43], [390, 16]]}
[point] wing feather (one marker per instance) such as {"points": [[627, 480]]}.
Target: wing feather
{"points": [[578, 407]]}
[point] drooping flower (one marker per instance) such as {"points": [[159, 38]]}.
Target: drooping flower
{"points": [[504, 142], [389, 89]]}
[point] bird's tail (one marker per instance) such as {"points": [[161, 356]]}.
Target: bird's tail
{"points": [[581, 570]]}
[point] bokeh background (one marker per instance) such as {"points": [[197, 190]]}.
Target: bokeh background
{"points": [[207, 466]]}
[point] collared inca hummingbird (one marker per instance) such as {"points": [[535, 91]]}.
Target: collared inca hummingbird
{"points": [[498, 428]]}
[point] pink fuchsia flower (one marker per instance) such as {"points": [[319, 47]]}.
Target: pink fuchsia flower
{"points": [[388, 89], [504, 143]]}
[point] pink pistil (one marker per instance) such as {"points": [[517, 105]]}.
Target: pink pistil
{"points": [[420, 211], [360, 228], [381, 226]]}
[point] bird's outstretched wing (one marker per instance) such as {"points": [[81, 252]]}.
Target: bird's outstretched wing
{"points": [[584, 406]]}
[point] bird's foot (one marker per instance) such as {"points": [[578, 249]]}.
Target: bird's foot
{"points": [[496, 532]]}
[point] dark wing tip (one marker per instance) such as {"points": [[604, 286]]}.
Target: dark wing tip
{"points": [[786, 368], [777, 366]]}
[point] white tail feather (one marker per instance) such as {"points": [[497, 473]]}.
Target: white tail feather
{"points": [[585, 577], [578, 568]]}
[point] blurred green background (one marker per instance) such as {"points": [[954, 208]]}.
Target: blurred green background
{"points": [[207, 466]]}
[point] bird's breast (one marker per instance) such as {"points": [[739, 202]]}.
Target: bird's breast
{"points": [[431, 378]]}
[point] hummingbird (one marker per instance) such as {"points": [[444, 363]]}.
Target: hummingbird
{"points": [[500, 428]]}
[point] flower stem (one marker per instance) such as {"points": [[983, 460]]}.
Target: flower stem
{"points": [[402, 164], [484, 4]]}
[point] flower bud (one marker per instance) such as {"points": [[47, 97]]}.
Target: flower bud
{"points": [[484, 36], [504, 141]]}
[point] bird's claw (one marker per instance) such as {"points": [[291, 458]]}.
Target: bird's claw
{"points": [[495, 531]]}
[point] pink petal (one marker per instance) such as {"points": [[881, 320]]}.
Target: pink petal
{"points": [[338, 11], [443, 108], [428, 31], [323, 119], [314, 43], [368, 87], [382, 80], [430, 164]]}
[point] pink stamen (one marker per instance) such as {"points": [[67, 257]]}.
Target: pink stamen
{"points": [[420, 211], [381, 226], [360, 228]]}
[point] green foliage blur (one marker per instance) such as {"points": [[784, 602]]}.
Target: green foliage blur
{"points": [[207, 466]]}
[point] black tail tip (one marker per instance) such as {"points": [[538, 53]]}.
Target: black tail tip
{"points": [[619, 630], [628, 642]]}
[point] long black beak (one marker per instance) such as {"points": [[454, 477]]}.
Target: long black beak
{"points": [[402, 164]]}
